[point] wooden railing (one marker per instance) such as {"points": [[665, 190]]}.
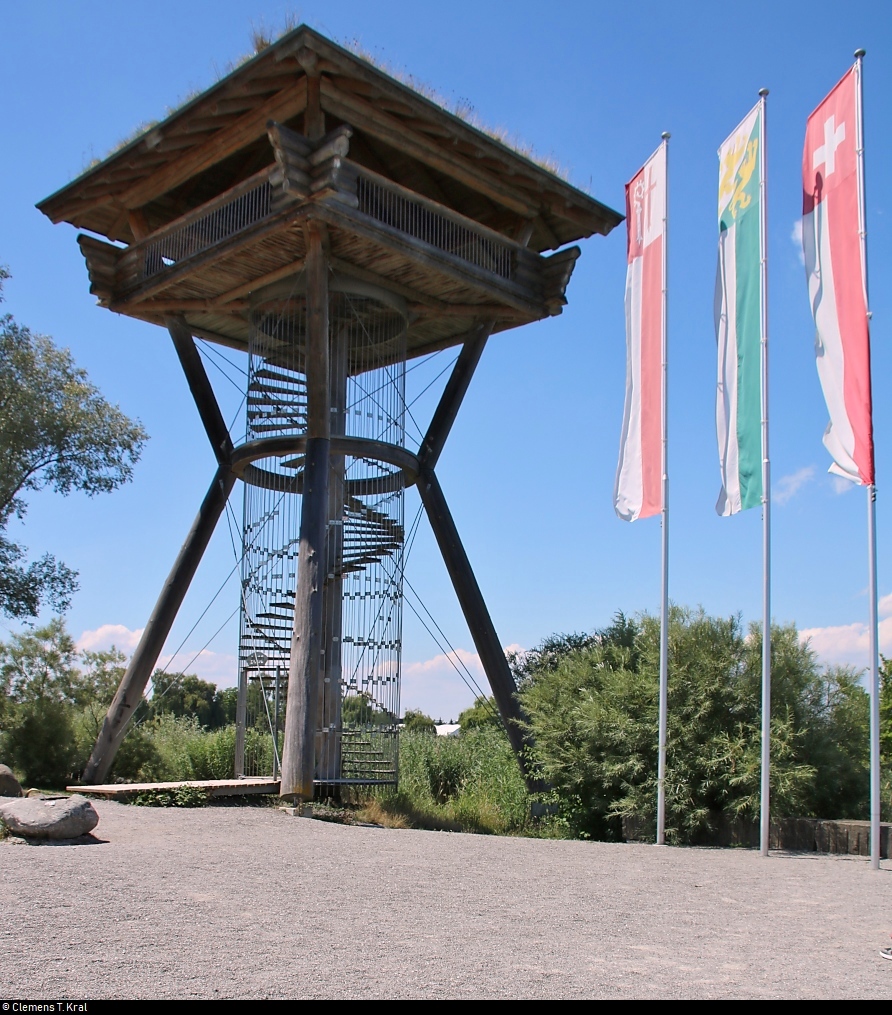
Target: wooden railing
{"points": [[434, 224], [345, 183], [213, 222]]}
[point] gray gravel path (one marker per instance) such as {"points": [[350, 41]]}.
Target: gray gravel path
{"points": [[250, 903]]}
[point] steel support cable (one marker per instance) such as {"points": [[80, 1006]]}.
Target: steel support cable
{"points": [[450, 655], [215, 353], [165, 668], [191, 661], [269, 719], [389, 383], [451, 363], [252, 623], [440, 630], [203, 352], [391, 582], [408, 405]]}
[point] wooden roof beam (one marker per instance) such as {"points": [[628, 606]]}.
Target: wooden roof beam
{"points": [[398, 135], [295, 268], [331, 61], [242, 132]]}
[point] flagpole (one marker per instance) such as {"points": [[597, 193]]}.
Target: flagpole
{"points": [[871, 499], [664, 597], [765, 816]]}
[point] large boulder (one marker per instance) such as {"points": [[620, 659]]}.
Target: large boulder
{"points": [[49, 817], [9, 785]]}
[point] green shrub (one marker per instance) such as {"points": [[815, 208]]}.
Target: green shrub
{"points": [[469, 782], [40, 743], [593, 709], [182, 796]]}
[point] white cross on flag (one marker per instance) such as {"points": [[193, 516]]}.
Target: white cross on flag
{"points": [[638, 491], [833, 251]]}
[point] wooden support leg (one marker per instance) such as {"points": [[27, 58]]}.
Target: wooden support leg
{"points": [[145, 657], [328, 744], [495, 665], [453, 395], [304, 675], [200, 386], [298, 755]]}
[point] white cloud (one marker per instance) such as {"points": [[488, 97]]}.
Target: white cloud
{"points": [[849, 644], [434, 686], [796, 237], [220, 668], [109, 635], [431, 685], [788, 486]]}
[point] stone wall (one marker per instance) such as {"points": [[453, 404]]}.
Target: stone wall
{"points": [[804, 835]]}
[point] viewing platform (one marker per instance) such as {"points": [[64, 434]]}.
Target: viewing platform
{"points": [[205, 264]]}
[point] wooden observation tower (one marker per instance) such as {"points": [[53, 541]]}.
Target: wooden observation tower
{"points": [[332, 223]]}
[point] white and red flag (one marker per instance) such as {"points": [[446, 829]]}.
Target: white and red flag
{"points": [[837, 284], [638, 492]]}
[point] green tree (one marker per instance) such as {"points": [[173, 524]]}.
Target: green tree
{"points": [[415, 721], [56, 432], [186, 694], [484, 712], [52, 703], [228, 700], [40, 685], [593, 713], [362, 710]]}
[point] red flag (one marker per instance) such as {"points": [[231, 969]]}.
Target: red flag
{"points": [[638, 491], [833, 248]]}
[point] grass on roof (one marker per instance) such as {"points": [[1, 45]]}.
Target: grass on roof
{"points": [[262, 37]]}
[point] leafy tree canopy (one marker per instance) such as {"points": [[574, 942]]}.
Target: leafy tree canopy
{"points": [[416, 721], [484, 712], [56, 432], [52, 702], [185, 694], [593, 708], [362, 710]]}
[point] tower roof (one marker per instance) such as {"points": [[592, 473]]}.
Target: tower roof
{"points": [[219, 138]]}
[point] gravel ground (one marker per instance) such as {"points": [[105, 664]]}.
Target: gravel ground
{"points": [[228, 902]]}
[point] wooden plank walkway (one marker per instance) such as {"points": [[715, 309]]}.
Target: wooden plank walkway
{"points": [[213, 787]]}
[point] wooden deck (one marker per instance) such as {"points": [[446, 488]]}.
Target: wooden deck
{"points": [[214, 787]]}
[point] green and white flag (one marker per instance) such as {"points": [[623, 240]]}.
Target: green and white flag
{"points": [[738, 296]]}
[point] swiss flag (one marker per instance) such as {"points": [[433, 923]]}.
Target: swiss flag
{"points": [[831, 240]]}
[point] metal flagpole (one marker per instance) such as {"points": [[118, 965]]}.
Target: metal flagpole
{"points": [[664, 601], [871, 500], [765, 816]]}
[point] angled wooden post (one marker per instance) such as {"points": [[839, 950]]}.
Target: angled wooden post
{"points": [[453, 395], [202, 391], [486, 641], [154, 635], [298, 753]]}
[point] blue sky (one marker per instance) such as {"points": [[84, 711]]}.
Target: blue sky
{"points": [[530, 465]]}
